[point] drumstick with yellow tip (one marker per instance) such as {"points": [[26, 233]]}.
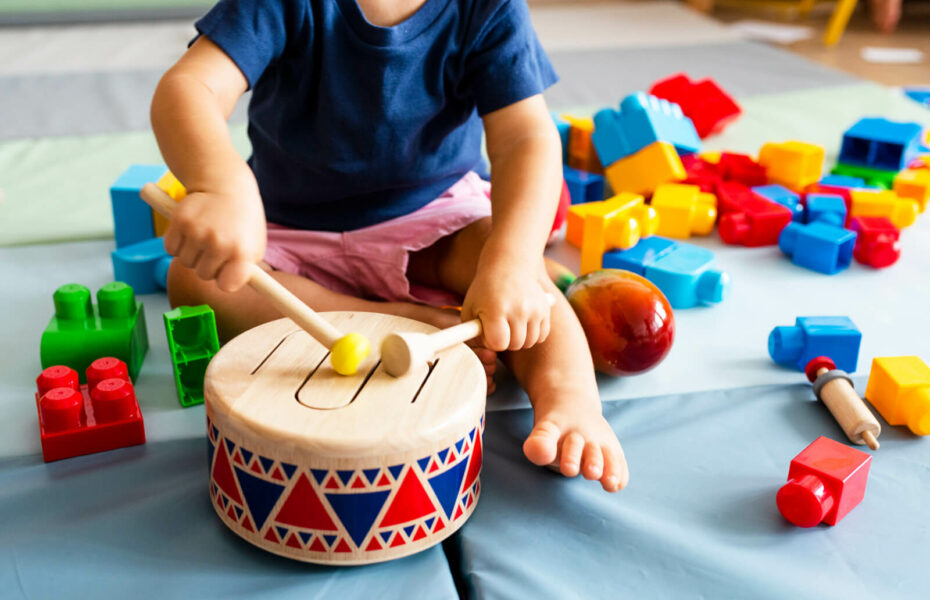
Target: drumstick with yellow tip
{"points": [[346, 352]]}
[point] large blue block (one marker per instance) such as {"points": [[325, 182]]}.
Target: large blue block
{"points": [[881, 144], [640, 256], [132, 217], [825, 208], [818, 246], [642, 120], [688, 277], [782, 195], [583, 186], [143, 265], [564, 128], [837, 338]]}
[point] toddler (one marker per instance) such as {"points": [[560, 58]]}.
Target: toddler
{"points": [[366, 122]]}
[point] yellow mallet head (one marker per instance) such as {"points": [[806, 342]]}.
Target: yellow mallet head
{"points": [[348, 353]]}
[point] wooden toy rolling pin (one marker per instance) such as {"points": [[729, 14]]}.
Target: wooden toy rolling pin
{"points": [[346, 351], [401, 351], [835, 389]]}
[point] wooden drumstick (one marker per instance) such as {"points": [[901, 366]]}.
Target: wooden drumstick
{"points": [[400, 351], [346, 351], [835, 389]]}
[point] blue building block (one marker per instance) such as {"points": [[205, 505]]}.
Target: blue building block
{"points": [[688, 277], [143, 265], [642, 120], [846, 181], [818, 246], [583, 186], [835, 337], [642, 255], [132, 218], [564, 128], [779, 194], [921, 95], [825, 208], [881, 144]]}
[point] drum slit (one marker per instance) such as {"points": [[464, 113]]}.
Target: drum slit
{"points": [[432, 367], [273, 350], [367, 377], [307, 378]]}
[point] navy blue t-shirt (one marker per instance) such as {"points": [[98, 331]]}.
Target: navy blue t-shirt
{"points": [[353, 124]]}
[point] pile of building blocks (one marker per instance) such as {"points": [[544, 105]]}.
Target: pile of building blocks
{"points": [[80, 331], [140, 258], [192, 342], [74, 419]]}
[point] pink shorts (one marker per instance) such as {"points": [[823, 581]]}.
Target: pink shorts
{"points": [[372, 262]]}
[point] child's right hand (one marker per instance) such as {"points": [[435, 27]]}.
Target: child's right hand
{"points": [[220, 233]]}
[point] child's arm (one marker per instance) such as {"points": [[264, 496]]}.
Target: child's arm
{"points": [[508, 293], [219, 229]]}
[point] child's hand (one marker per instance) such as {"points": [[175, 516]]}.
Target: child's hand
{"points": [[511, 302], [220, 233]]}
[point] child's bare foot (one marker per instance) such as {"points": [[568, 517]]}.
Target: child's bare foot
{"points": [[885, 14], [574, 437]]}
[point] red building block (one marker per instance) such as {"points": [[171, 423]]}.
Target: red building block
{"points": [[877, 243], [741, 168], [825, 481], [701, 173], [76, 420], [747, 218], [704, 102]]}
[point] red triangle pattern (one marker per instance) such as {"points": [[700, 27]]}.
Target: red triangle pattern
{"points": [[469, 501], [256, 467], [277, 474], [303, 508], [332, 484], [384, 480], [411, 502], [231, 514], [238, 459], [420, 534], [434, 466], [247, 524], [458, 512], [439, 525], [270, 536], [342, 546], [293, 542], [317, 546], [474, 466], [451, 458], [374, 544], [358, 483], [398, 540], [223, 476]]}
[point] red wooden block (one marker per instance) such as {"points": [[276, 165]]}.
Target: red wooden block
{"points": [[76, 420], [701, 173], [704, 102], [877, 242], [825, 481], [747, 218], [742, 169]]}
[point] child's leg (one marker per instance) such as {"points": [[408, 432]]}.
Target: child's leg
{"points": [[558, 374]]}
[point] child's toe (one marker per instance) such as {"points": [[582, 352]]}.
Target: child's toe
{"points": [[542, 445], [572, 447], [592, 461], [616, 475]]}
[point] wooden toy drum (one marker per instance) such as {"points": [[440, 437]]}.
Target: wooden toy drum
{"points": [[330, 469]]}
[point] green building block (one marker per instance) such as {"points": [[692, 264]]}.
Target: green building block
{"points": [[882, 179], [192, 342], [81, 332]]}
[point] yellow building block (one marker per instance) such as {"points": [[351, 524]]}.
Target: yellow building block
{"points": [[899, 389], [711, 157], [174, 188], [642, 172], [793, 164], [914, 184], [902, 212], [617, 222], [684, 210]]}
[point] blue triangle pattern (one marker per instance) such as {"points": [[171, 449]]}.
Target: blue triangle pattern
{"points": [[386, 535], [239, 512], [210, 449], [371, 474], [282, 532], [329, 539], [305, 536], [246, 455], [223, 500], [395, 470], [409, 529], [288, 469], [423, 462], [429, 523], [266, 462], [446, 486], [318, 474], [260, 495], [471, 434], [216, 432], [459, 444], [229, 446], [345, 476], [358, 511], [442, 455]]}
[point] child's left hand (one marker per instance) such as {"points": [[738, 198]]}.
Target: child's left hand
{"points": [[510, 300]]}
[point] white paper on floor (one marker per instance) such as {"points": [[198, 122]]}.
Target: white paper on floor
{"points": [[891, 56], [776, 33]]}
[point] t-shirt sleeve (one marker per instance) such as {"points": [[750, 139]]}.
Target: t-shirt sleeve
{"points": [[253, 33], [507, 63]]}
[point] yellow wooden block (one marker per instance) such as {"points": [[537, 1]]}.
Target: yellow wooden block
{"points": [[914, 184], [642, 172], [684, 210], [617, 222], [899, 389], [902, 212], [793, 164], [174, 188]]}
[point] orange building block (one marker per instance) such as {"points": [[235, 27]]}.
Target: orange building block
{"points": [[795, 165], [581, 152], [899, 389], [174, 188], [643, 171], [684, 210], [617, 222], [914, 184], [902, 212]]}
